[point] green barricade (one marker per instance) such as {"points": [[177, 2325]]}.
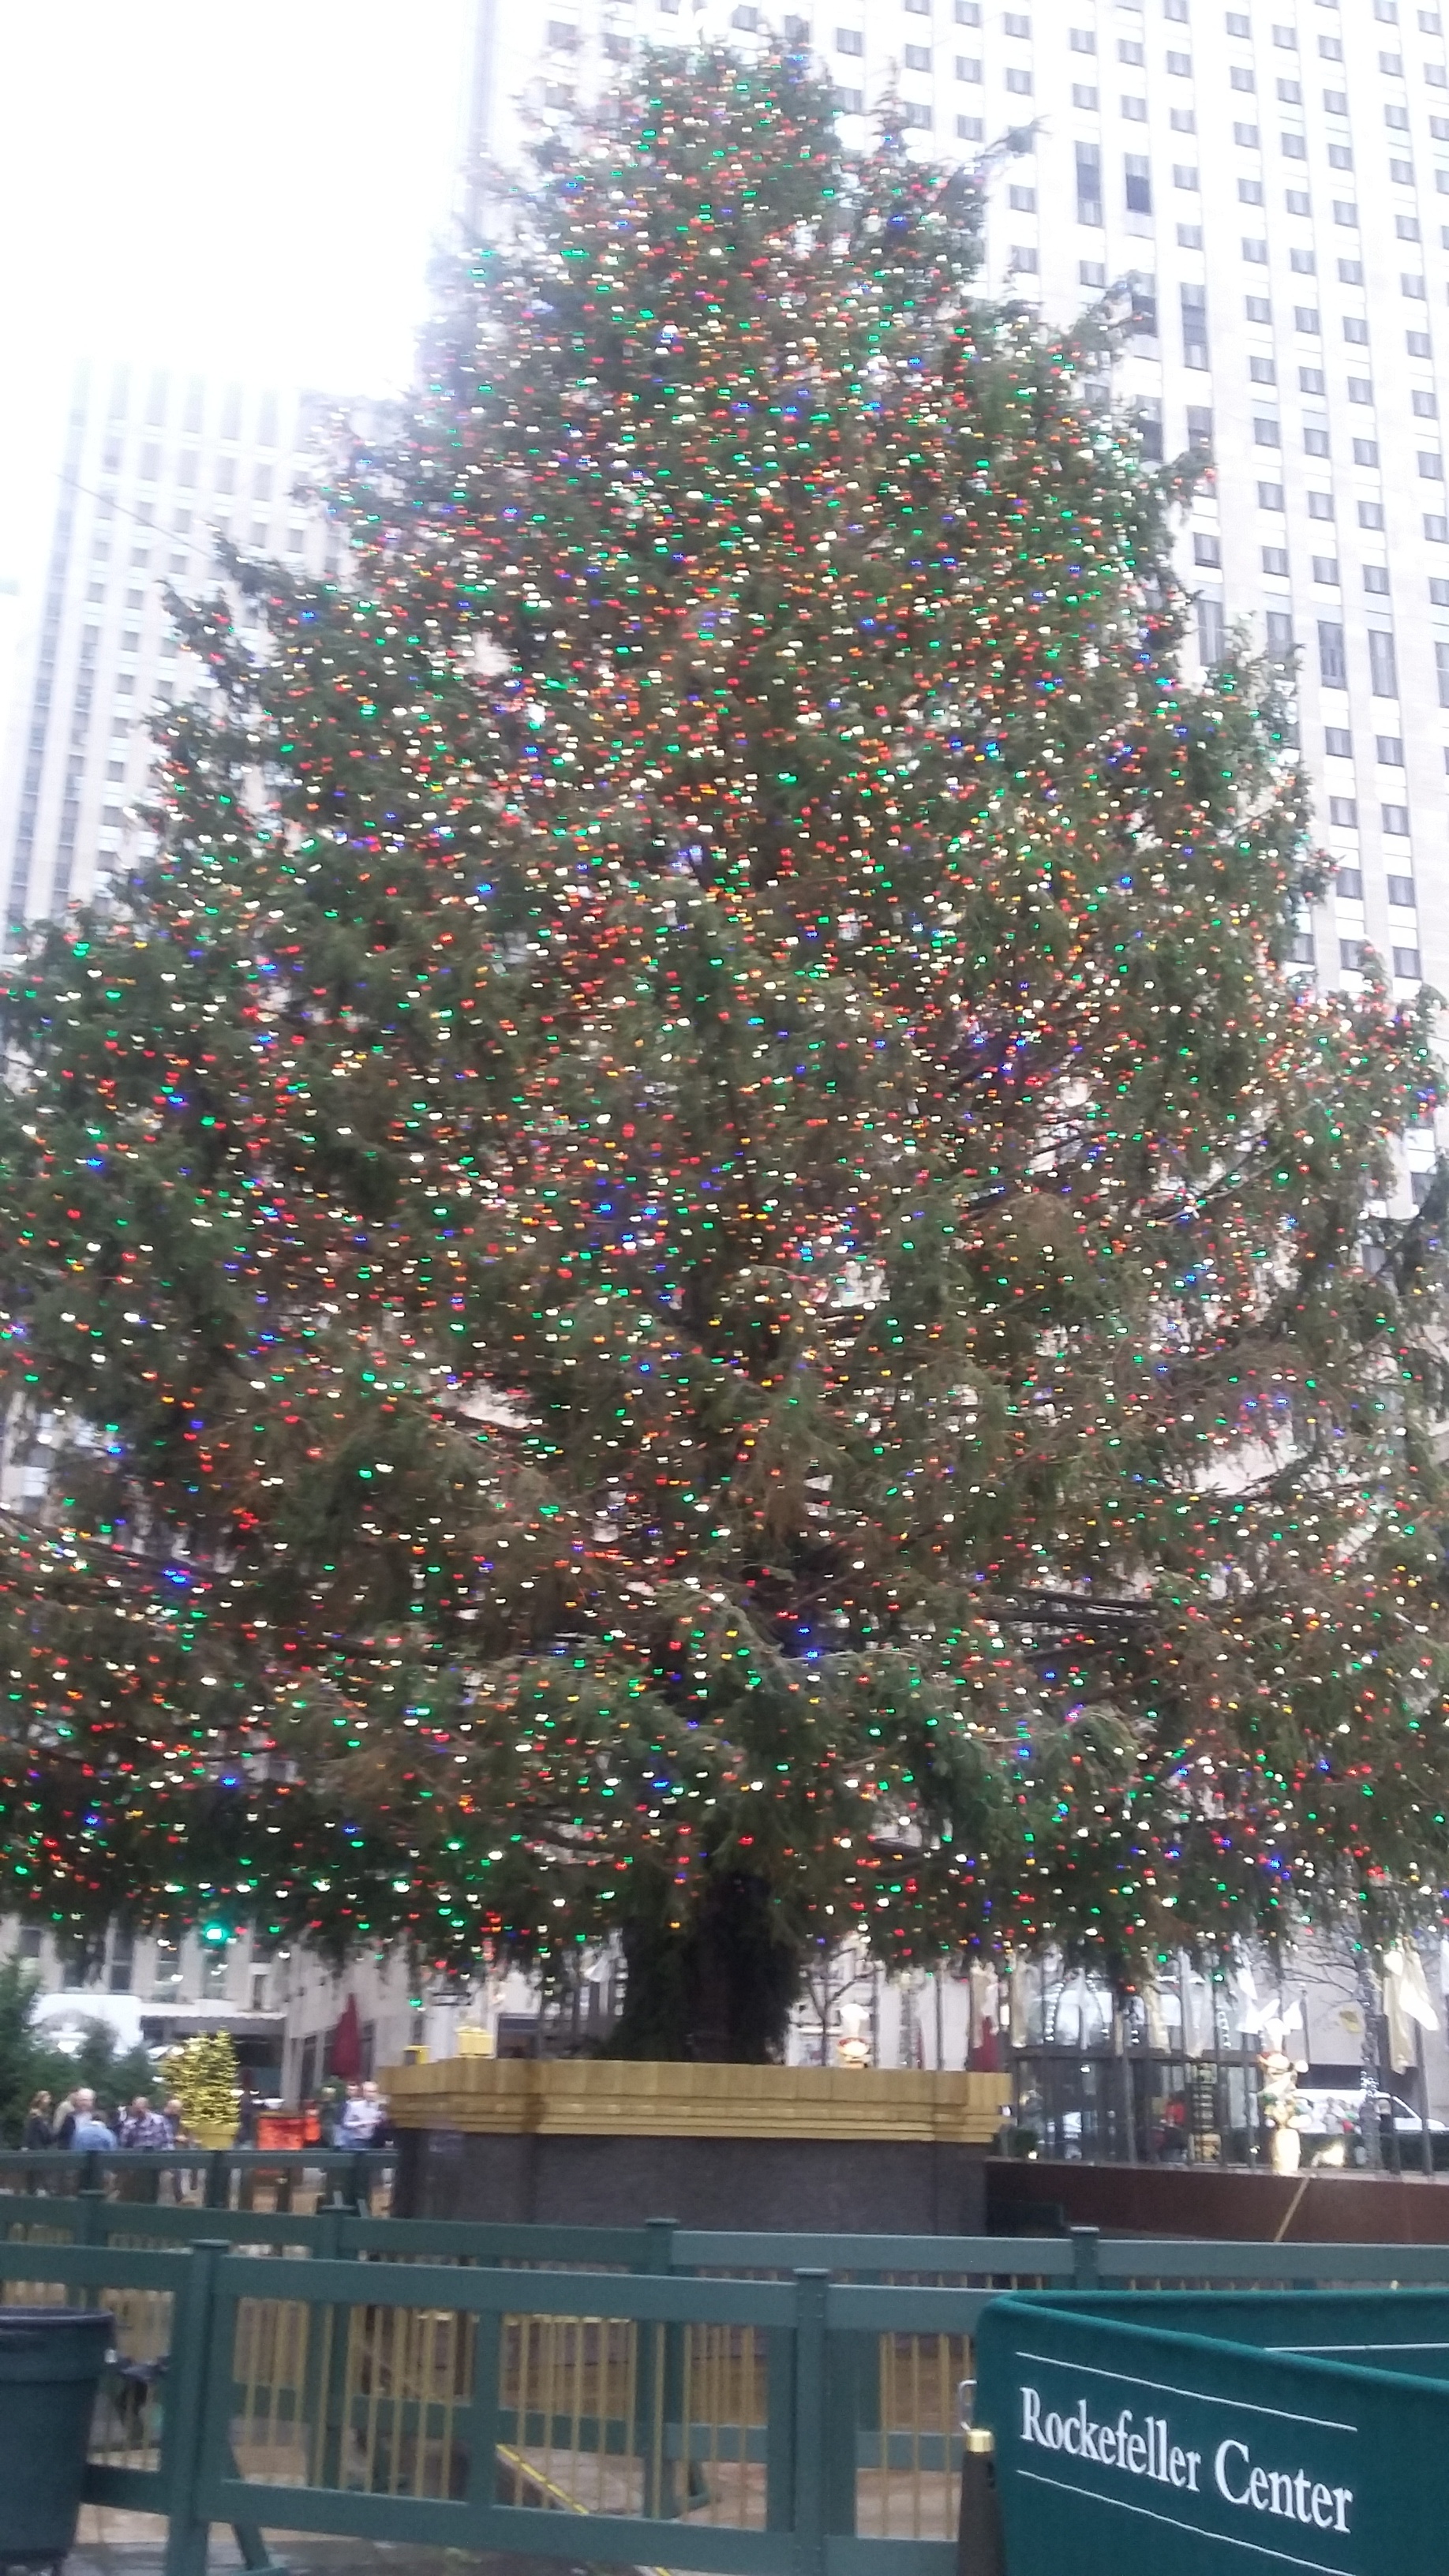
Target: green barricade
{"points": [[1296, 2430]]}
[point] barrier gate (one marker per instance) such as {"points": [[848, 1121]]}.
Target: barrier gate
{"points": [[1299, 2430]]}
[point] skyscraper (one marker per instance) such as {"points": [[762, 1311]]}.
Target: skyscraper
{"points": [[1270, 187], [153, 465]]}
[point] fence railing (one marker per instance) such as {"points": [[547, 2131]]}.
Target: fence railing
{"points": [[208, 2177], [652, 2396]]}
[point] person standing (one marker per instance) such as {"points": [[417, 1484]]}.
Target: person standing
{"points": [[63, 2130], [39, 2133], [144, 2128], [91, 2133], [363, 2114]]}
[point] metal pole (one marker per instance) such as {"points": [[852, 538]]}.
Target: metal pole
{"points": [[1120, 2022], [1426, 2143]]}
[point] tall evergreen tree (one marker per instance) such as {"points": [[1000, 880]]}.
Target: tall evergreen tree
{"points": [[710, 1280]]}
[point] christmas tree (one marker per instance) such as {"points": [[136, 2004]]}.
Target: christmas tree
{"points": [[712, 1283], [202, 2074]]}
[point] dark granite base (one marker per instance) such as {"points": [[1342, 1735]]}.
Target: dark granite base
{"points": [[804, 2185]]}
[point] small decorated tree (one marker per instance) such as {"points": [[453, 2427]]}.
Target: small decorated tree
{"points": [[203, 2077]]}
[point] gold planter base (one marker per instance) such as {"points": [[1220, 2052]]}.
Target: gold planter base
{"points": [[628, 2098]]}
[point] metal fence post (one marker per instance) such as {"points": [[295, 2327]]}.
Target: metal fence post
{"points": [[188, 2396], [218, 2179], [1086, 2257], [651, 2383], [810, 2422], [325, 2392], [978, 2531]]}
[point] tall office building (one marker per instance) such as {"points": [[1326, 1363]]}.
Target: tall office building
{"points": [[153, 465], [1272, 183]]}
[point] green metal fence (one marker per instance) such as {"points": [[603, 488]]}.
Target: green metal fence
{"points": [[299, 2179], [652, 2395]]}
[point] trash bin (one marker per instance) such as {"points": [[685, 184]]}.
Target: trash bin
{"points": [[50, 2363]]}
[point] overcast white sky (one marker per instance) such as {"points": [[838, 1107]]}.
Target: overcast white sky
{"points": [[246, 186]]}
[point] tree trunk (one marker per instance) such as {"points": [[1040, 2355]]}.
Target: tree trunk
{"points": [[719, 1988]]}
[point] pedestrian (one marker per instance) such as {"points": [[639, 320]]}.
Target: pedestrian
{"points": [[246, 2114], [175, 2119], [90, 2132], [363, 2115], [63, 2129], [39, 2133], [144, 2129]]}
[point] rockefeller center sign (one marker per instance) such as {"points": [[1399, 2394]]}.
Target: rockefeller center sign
{"points": [[1292, 2431]]}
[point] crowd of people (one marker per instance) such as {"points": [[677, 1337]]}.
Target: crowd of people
{"points": [[356, 2119], [75, 2122]]}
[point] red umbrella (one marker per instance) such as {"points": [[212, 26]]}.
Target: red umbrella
{"points": [[346, 2049]]}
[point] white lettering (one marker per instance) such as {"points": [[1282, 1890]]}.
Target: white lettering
{"points": [[1143, 2447], [1220, 2471]]}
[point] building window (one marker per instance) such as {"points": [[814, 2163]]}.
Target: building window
{"points": [[917, 58], [1401, 893], [1211, 631], [1343, 813], [1275, 561], [1376, 579], [1332, 668], [1406, 964], [1388, 751], [1338, 742], [1348, 882], [1325, 571], [1266, 434], [1350, 955], [1019, 82], [166, 1978], [30, 1939], [1278, 627], [1206, 550], [1089, 183], [1396, 820], [1383, 663]]}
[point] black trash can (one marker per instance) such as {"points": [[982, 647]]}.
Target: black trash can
{"points": [[50, 2362]]}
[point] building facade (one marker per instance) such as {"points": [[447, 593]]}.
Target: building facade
{"points": [[1268, 187], [154, 466]]}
